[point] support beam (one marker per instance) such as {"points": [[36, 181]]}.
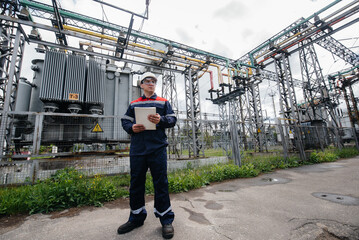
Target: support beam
{"points": [[234, 131], [256, 116], [222, 132], [193, 114], [288, 105], [169, 91], [318, 103], [11, 76], [339, 50]]}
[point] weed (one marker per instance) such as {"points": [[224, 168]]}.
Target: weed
{"points": [[70, 188]]}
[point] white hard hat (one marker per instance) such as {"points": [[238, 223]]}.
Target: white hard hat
{"points": [[148, 75]]}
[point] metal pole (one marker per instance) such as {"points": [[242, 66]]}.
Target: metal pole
{"points": [[234, 134], [115, 105], [235, 143], [241, 111], [37, 133], [8, 93], [281, 102], [190, 83], [293, 107]]}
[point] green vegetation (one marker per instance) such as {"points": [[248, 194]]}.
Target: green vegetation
{"points": [[70, 188], [269, 163], [331, 154], [346, 152], [67, 188]]}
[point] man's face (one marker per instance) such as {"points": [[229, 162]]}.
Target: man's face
{"points": [[149, 85]]}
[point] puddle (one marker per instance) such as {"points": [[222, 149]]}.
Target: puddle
{"points": [[317, 168], [213, 205], [272, 180], [200, 200], [337, 198], [197, 217], [225, 190]]}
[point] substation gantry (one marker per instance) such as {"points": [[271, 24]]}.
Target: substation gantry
{"points": [[128, 46], [107, 41], [341, 83], [300, 36]]}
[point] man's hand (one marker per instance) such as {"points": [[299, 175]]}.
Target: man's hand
{"points": [[154, 118], [136, 128]]}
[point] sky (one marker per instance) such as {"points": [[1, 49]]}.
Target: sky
{"points": [[230, 28]]}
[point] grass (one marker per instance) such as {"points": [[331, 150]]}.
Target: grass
{"points": [[70, 188]]}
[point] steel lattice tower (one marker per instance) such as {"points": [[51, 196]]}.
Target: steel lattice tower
{"points": [[223, 127], [315, 91], [243, 118], [234, 108], [345, 83], [288, 105], [169, 91], [351, 105], [193, 111], [12, 49], [338, 49], [256, 116]]}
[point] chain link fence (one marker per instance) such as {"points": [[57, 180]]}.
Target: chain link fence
{"points": [[39, 144]]}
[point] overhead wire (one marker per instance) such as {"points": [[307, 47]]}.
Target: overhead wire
{"points": [[103, 15], [356, 39], [142, 22], [139, 29]]}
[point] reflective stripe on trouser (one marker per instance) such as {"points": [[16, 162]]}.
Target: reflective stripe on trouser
{"points": [[157, 163], [138, 215]]}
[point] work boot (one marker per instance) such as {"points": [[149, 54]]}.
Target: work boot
{"points": [[167, 231], [128, 227]]}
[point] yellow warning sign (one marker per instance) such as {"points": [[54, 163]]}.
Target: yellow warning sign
{"points": [[259, 130], [290, 131], [74, 96], [97, 128]]}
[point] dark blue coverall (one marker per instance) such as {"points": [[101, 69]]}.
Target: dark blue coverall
{"points": [[148, 150]]}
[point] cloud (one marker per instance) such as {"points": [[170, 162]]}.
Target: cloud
{"points": [[246, 33], [221, 49], [233, 10], [184, 36]]}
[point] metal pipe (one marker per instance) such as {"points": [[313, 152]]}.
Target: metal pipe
{"points": [[313, 31], [317, 39], [211, 78], [131, 54], [220, 78], [339, 10], [342, 73], [298, 24], [102, 36], [117, 28], [285, 41], [229, 76], [115, 106]]}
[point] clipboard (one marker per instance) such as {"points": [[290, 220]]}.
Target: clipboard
{"points": [[141, 114]]}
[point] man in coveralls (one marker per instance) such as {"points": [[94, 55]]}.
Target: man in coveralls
{"points": [[148, 150]]}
